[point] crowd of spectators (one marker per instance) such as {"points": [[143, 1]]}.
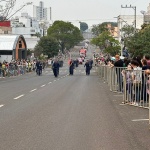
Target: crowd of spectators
{"points": [[18, 67], [136, 71]]}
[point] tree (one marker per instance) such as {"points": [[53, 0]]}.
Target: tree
{"points": [[47, 46], [83, 26], [65, 33], [37, 34], [139, 44], [6, 7], [98, 29], [106, 42]]}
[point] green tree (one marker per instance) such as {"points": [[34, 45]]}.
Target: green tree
{"points": [[38, 35], [139, 44], [47, 46], [106, 42], [98, 29], [83, 26], [65, 33]]}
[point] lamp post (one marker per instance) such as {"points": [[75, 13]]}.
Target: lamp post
{"points": [[143, 13]]}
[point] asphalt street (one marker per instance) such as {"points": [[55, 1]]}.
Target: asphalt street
{"points": [[68, 113]]}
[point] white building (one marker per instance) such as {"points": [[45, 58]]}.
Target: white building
{"points": [[148, 10], [25, 25], [41, 13], [130, 20], [146, 15]]}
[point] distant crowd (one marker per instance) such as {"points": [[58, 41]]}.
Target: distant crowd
{"points": [[18, 67]]}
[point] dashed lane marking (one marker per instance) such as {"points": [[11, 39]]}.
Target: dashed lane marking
{"points": [[119, 95], [1, 106], [33, 90], [49, 82], [140, 120], [43, 85], [19, 96]]}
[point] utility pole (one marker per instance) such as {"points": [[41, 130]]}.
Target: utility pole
{"points": [[119, 21], [134, 7]]}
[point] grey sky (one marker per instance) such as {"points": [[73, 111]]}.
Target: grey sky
{"points": [[89, 11]]}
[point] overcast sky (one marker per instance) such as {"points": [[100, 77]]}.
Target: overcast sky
{"points": [[89, 11]]}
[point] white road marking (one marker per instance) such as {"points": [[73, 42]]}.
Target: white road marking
{"points": [[19, 96], [54, 80], [49, 82], [1, 106], [140, 120], [119, 95], [122, 104], [43, 85], [33, 90]]}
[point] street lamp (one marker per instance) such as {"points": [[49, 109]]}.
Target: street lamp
{"points": [[143, 12]]}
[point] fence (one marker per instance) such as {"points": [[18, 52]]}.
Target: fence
{"points": [[13, 71], [133, 84], [148, 91]]}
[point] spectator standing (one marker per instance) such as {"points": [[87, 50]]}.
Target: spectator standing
{"points": [[119, 66], [147, 57]]}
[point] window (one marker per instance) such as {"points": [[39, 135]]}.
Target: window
{"points": [[20, 44], [5, 32], [5, 52]]}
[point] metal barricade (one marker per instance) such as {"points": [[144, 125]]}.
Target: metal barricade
{"points": [[135, 88], [133, 84], [13, 70], [112, 76], [116, 79], [148, 91]]}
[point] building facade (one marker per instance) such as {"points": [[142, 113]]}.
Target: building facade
{"points": [[26, 25], [42, 13], [12, 47]]}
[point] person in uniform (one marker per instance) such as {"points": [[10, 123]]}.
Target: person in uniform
{"points": [[87, 67], [55, 68], [71, 67], [38, 68]]}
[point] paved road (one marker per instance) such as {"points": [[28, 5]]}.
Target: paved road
{"points": [[68, 113]]}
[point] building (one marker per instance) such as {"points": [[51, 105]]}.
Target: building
{"points": [[26, 25], [5, 27], [113, 30], [146, 15], [41, 13], [12, 47], [31, 43], [148, 10]]}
